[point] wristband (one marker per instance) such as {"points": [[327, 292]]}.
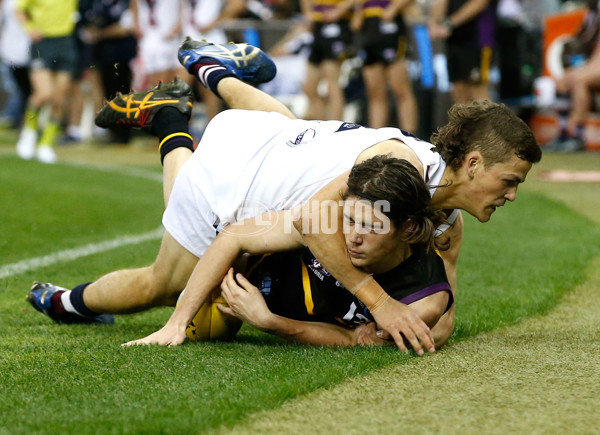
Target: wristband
{"points": [[360, 285], [372, 295]]}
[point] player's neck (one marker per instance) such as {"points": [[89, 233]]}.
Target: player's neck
{"points": [[449, 195], [403, 253]]}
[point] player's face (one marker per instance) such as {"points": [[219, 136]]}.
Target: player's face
{"points": [[491, 187], [372, 241]]}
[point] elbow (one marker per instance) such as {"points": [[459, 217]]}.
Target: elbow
{"points": [[434, 311], [297, 222], [442, 334], [442, 331]]}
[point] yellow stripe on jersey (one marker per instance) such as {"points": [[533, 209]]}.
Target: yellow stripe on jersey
{"points": [[308, 301], [486, 64], [402, 47]]}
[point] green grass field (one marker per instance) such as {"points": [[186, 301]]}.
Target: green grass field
{"points": [[77, 379]]}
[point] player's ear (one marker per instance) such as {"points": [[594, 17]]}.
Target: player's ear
{"points": [[473, 162], [408, 228]]}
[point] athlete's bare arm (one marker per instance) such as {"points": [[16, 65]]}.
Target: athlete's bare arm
{"points": [[392, 316], [443, 329], [270, 232], [443, 326], [246, 303]]}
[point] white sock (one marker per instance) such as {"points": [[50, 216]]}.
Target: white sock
{"points": [[65, 298]]}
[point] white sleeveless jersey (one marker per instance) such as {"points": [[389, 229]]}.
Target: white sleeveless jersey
{"points": [[198, 14], [158, 46], [250, 162], [158, 16], [201, 13]]}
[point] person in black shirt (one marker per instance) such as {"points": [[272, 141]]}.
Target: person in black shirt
{"points": [[468, 27]]}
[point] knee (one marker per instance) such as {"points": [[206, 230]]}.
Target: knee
{"points": [[442, 331], [160, 289], [376, 91], [40, 97], [403, 92]]}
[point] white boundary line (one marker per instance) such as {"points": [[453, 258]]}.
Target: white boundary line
{"points": [[75, 253], [23, 266], [119, 169], [131, 171]]}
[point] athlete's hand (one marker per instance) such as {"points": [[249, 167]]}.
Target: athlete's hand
{"points": [[400, 320], [168, 335], [366, 335], [244, 300], [438, 31]]}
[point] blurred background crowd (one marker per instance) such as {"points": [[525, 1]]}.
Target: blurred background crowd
{"points": [[374, 62]]}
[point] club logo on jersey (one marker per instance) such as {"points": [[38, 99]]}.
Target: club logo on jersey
{"points": [[318, 269], [265, 284], [348, 126], [357, 315], [303, 138]]}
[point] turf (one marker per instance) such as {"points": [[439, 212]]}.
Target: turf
{"points": [[77, 379]]}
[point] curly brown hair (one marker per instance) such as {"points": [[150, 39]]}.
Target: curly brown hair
{"points": [[488, 127]]}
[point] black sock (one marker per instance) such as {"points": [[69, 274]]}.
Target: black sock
{"points": [[172, 129], [168, 121], [210, 74], [176, 140], [76, 298]]}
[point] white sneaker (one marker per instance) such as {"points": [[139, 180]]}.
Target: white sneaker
{"points": [[46, 154], [26, 143]]}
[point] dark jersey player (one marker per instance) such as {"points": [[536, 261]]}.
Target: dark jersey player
{"points": [[295, 285], [296, 298]]}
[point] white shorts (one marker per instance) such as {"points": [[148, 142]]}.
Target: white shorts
{"points": [[209, 176]]}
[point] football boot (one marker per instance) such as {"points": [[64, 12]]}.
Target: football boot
{"points": [[246, 62], [40, 297], [138, 109]]}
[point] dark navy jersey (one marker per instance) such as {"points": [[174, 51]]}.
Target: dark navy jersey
{"points": [[295, 285]]}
